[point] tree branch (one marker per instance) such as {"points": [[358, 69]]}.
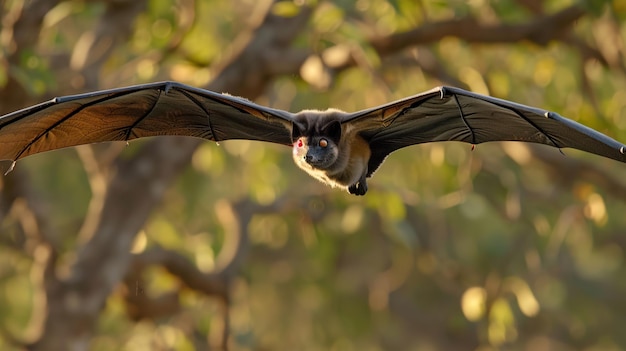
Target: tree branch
{"points": [[540, 30]]}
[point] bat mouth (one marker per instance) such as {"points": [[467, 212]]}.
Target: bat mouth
{"points": [[312, 160]]}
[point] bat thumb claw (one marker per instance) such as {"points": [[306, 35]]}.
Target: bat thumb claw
{"points": [[473, 147], [10, 168]]}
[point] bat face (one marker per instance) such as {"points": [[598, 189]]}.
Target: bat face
{"points": [[318, 152], [317, 147], [316, 140]]}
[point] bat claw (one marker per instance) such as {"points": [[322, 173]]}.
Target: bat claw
{"points": [[442, 92], [358, 188], [10, 168], [168, 87]]}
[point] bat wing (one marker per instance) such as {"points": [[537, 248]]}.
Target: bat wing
{"points": [[446, 114], [166, 108]]}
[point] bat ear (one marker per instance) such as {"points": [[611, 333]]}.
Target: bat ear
{"points": [[296, 132], [332, 130]]}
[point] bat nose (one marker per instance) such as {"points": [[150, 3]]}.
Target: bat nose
{"points": [[308, 158]]}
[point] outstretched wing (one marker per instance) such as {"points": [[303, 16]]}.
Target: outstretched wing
{"points": [[445, 114], [166, 108]]}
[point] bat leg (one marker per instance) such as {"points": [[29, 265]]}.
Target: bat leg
{"points": [[359, 188]]}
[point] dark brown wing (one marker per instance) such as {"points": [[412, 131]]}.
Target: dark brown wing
{"points": [[445, 114], [166, 108]]}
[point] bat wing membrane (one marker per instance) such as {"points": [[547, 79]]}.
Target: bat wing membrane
{"points": [[452, 114], [166, 108]]}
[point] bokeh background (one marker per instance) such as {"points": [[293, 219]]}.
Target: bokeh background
{"points": [[179, 244]]}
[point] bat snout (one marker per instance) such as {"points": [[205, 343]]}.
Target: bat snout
{"points": [[313, 160]]}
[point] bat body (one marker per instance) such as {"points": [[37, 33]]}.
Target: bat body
{"points": [[338, 148]]}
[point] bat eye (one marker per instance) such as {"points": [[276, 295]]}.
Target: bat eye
{"points": [[323, 142], [300, 144]]}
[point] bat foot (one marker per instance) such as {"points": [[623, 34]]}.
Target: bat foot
{"points": [[359, 188]]}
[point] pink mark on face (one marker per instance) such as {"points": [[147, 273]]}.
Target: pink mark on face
{"points": [[298, 147]]}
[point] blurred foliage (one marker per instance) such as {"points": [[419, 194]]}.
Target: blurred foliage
{"points": [[451, 248]]}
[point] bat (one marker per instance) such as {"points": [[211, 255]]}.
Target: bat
{"points": [[341, 149]]}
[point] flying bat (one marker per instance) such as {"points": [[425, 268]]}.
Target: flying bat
{"points": [[339, 148]]}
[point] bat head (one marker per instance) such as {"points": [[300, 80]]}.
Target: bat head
{"points": [[316, 146]]}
